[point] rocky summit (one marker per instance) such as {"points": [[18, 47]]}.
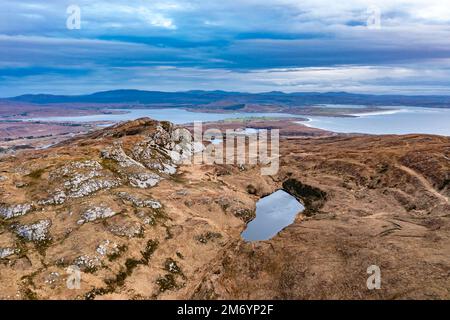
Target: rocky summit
{"points": [[120, 212]]}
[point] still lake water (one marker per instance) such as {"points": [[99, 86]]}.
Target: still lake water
{"points": [[177, 116], [404, 120], [273, 213]]}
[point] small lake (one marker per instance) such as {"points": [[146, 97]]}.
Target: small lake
{"points": [[273, 213], [405, 120]]}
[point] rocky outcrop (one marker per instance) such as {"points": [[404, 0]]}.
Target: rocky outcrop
{"points": [[6, 252], [34, 232], [96, 213], [108, 248], [150, 159], [92, 186], [139, 203], [117, 154], [87, 263], [80, 179], [144, 180], [13, 211]]}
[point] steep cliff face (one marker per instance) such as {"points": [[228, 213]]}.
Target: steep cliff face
{"points": [[118, 205]]}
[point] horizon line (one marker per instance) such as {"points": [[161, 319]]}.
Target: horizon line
{"points": [[225, 91]]}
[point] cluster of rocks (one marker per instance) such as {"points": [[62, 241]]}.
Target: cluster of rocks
{"points": [[157, 155], [91, 166], [154, 157], [93, 186], [82, 178], [144, 166], [153, 204], [144, 180], [135, 172], [34, 232], [166, 149], [16, 210], [107, 248], [88, 263], [96, 213], [91, 263], [146, 217]]}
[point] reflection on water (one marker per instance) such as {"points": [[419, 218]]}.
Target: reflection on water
{"points": [[273, 213]]}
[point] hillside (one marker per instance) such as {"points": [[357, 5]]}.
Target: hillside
{"points": [[117, 204]]}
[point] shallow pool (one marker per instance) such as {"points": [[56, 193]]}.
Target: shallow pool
{"points": [[273, 213]]}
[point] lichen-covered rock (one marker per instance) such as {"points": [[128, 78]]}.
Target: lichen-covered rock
{"points": [[17, 210], [149, 203], [152, 156], [117, 154], [107, 248], [34, 232], [165, 149], [144, 180], [162, 136], [169, 169], [59, 197], [6, 252], [75, 166], [87, 263], [96, 213], [82, 178], [92, 186]]}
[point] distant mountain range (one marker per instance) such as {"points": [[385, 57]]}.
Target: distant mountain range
{"points": [[198, 97]]}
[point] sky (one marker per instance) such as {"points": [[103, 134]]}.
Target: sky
{"points": [[380, 47]]}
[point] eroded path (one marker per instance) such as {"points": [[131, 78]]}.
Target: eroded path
{"points": [[426, 184]]}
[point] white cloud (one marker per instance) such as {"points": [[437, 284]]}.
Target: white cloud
{"points": [[155, 19], [237, 45], [358, 79]]}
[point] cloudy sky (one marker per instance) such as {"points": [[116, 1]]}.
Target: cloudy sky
{"points": [[238, 45]]}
